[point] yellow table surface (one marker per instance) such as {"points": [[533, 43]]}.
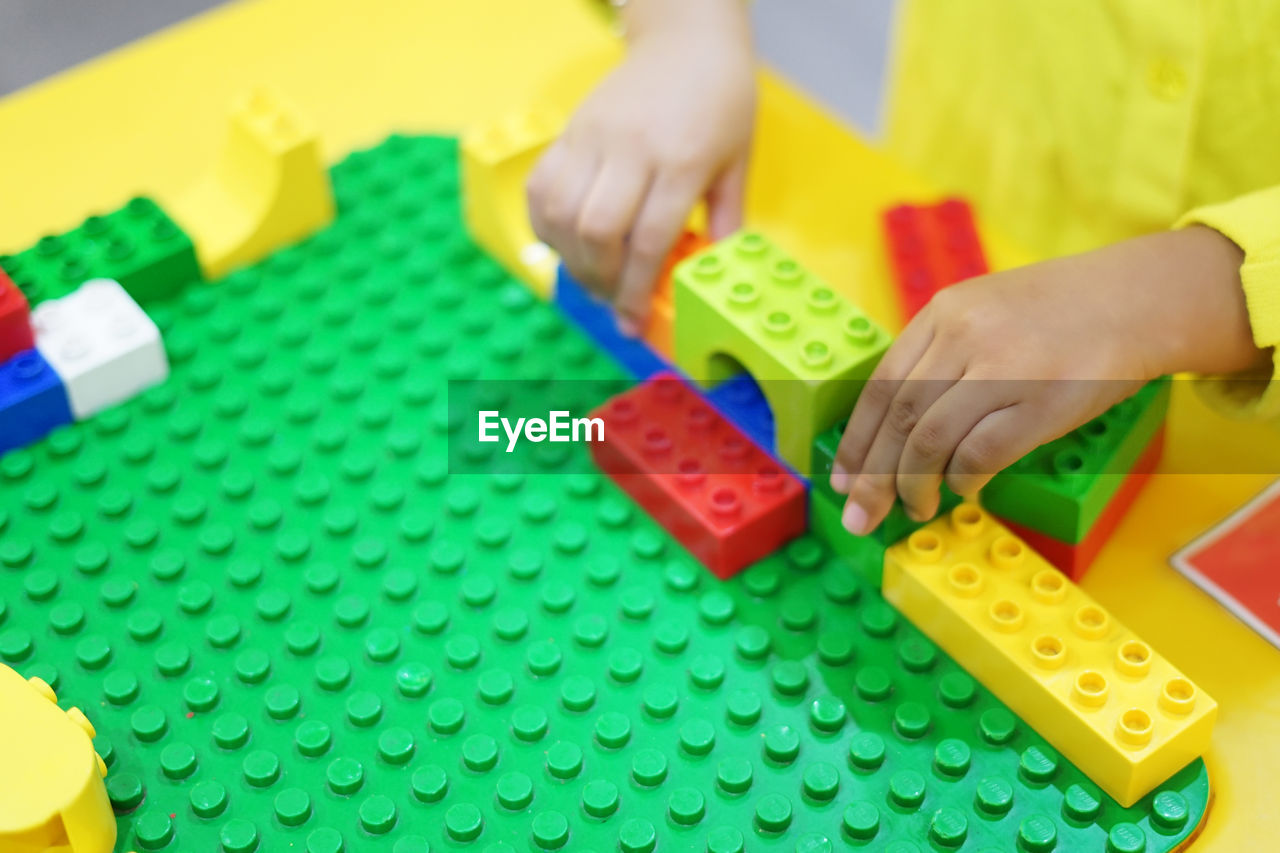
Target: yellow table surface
{"points": [[149, 118]]}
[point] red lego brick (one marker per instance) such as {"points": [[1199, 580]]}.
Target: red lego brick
{"points": [[15, 320], [930, 247], [726, 500], [1075, 559]]}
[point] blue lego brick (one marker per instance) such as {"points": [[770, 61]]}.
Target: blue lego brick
{"points": [[740, 399], [596, 319], [33, 400]]}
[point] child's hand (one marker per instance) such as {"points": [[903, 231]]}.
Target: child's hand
{"points": [[670, 126], [976, 380]]}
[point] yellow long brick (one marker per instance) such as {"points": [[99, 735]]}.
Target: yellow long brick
{"points": [[1120, 712]]}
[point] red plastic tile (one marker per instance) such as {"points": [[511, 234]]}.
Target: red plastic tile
{"points": [[726, 500], [1234, 562]]}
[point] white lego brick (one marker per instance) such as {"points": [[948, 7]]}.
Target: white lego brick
{"points": [[105, 347]]}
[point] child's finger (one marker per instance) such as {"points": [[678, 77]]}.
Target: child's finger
{"points": [[873, 402], [540, 186], [661, 217], [935, 438], [559, 207], [995, 442], [725, 200], [874, 489], [607, 214]]}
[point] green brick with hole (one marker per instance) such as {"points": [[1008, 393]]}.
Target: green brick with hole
{"points": [[896, 524], [863, 553], [744, 303], [1061, 488], [137, 245]]}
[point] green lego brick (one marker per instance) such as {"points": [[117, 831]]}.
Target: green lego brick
{"points": [[896, 524], [296, 630], [743, 303], [1060, 488], [864, 553], [137, 245]]}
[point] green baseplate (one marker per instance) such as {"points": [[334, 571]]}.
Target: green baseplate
{"points": [[294, 631]]}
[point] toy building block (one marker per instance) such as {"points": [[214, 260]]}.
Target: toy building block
{"points": [[52, 797], [864, 553], [269, 188], [102, 345], [659, 332], [1122, 713], [714, 490], [742, 303], [896, 524], [137, 245], [1075, 558], [596, 318], [15, 320], [33, 400], [740, 400], [642, 357], [497, 158], [930, 247], [826, 506], [1061, 488]]}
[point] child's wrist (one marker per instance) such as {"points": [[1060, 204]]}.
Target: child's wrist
{"points": [[711, 21], [1193, 313]]}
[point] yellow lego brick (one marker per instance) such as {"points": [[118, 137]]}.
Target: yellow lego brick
{"points": [[1120, 712], [497, 158], [743, 303], [269, 188], [51, 793]]}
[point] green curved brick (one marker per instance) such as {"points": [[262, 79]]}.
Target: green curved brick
{"points": [[294, 630]]}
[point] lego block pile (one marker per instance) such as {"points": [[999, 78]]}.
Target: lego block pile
{"points": [[72, 357], [739, 304], [767, 337], [73, 338]]}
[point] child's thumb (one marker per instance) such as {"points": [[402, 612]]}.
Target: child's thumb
{"points": [[725, 199]]}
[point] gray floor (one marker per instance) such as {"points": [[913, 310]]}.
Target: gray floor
{"points": [[41, 37], [834, 48]]}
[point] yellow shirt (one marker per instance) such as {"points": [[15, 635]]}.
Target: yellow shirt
{"points": [[1075, 123]]}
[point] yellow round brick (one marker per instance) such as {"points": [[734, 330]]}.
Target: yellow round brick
{"points": [[63, 800]]}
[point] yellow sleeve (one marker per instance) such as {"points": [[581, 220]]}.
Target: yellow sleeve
{"points": [[1252, 222]]}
